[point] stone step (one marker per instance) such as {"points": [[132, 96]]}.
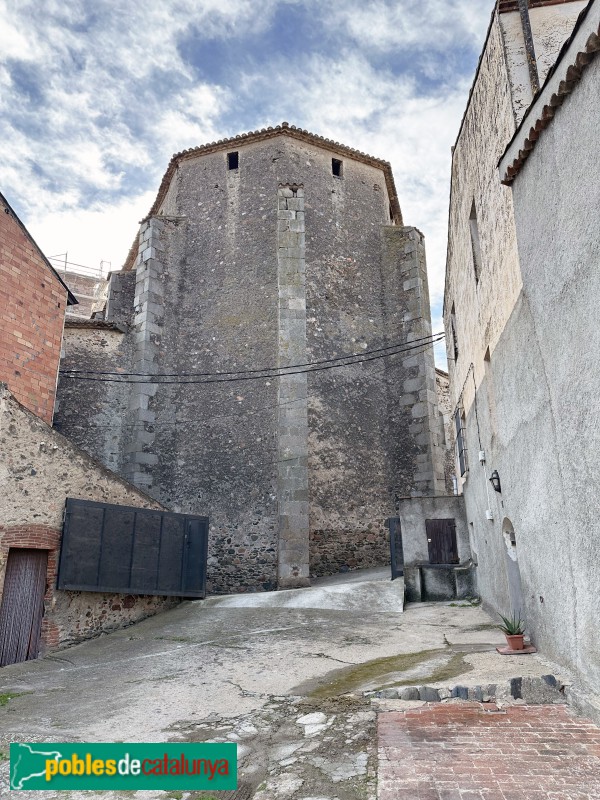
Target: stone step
{"points": [[533, 691]]}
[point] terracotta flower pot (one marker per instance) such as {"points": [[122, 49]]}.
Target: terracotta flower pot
{"points": [[515, 642]]}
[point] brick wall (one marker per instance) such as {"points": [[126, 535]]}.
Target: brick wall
{"points": [[70, 617], [33, 304], [84, 287]]}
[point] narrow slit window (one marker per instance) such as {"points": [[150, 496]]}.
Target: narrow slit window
{"points": [[475, 243], [336, 167], [233, 160], [454, 335], [461, 449]]}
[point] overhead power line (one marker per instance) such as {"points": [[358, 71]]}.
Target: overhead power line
{"points": [[273, 372], [392, 346]]}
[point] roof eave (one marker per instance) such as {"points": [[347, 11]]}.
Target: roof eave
{"points": [[71, 299], [576, 54], [262, 135]]}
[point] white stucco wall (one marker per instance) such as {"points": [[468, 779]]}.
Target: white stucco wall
{"points": [[500, 96], [557, 195], [550, 26], [534, 308], [483, 307]]}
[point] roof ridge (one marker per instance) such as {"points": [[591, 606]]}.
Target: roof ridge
{"points": [[272, 129], [261, 135]]}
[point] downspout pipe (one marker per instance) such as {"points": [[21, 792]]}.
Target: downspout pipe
{"points": [[534, 77]]}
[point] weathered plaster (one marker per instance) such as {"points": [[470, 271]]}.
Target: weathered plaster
{"points": [[481, 307], [413, 511], [536, 403], [550, 26], [39, 469]]}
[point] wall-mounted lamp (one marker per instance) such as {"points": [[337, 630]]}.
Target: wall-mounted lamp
{"points": [[495, 481]]}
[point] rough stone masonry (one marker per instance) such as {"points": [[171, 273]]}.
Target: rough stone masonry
{"points": [[271, 249]]}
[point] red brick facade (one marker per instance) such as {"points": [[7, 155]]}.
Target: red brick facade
{"points": [[37, 537], [33, 303]]}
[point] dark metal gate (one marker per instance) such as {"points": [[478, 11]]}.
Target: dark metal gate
{"points": [[126, 550], [441, 540], [22, 605], [396, 551]]}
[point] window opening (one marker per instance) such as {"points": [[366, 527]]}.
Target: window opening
{"points": [[461, 450], [336, 167], [233, 160], [454, 335], [475, 243]]}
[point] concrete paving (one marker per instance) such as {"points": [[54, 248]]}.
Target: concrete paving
{"points": [[286, 683], [371, 589]]}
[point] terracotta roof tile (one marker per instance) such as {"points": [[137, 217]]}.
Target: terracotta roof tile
{"points": [[513, 5], [560, 82]]}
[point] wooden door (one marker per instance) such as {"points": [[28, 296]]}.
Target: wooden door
{"points": [[22, 605], [441, 540]]}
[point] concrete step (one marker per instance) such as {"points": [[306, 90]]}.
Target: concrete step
{"points": [[346, 592]]}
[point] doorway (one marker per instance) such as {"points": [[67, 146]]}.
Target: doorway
{"points": [[441, 541], [22, 605], [513, 572]]}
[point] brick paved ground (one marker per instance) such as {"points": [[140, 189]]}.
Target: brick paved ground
{"points": [[464, 752]]}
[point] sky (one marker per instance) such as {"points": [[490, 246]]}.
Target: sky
{"points": [[96, 97]]}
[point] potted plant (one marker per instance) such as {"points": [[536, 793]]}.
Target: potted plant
{"points": [[514, 629]]}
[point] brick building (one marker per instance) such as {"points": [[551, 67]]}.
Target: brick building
{"points": [[39, 468], [271, 249], [34, 300]]}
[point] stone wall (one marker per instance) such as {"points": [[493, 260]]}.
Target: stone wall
{"points": [[277, 262], [33, 303], [445, 407], [99, 422], [476, 308], [334, 551], [39, 469]]}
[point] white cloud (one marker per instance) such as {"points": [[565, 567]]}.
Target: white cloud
{"points": [[428, 25], [90, 236], [103, 94]]}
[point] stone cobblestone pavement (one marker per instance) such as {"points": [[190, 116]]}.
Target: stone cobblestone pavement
{"points": [[473, 751]]}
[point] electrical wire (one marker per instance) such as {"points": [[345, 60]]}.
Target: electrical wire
{"points": [[72, 263], [392, 346], [273, 372], [67, 425]]}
